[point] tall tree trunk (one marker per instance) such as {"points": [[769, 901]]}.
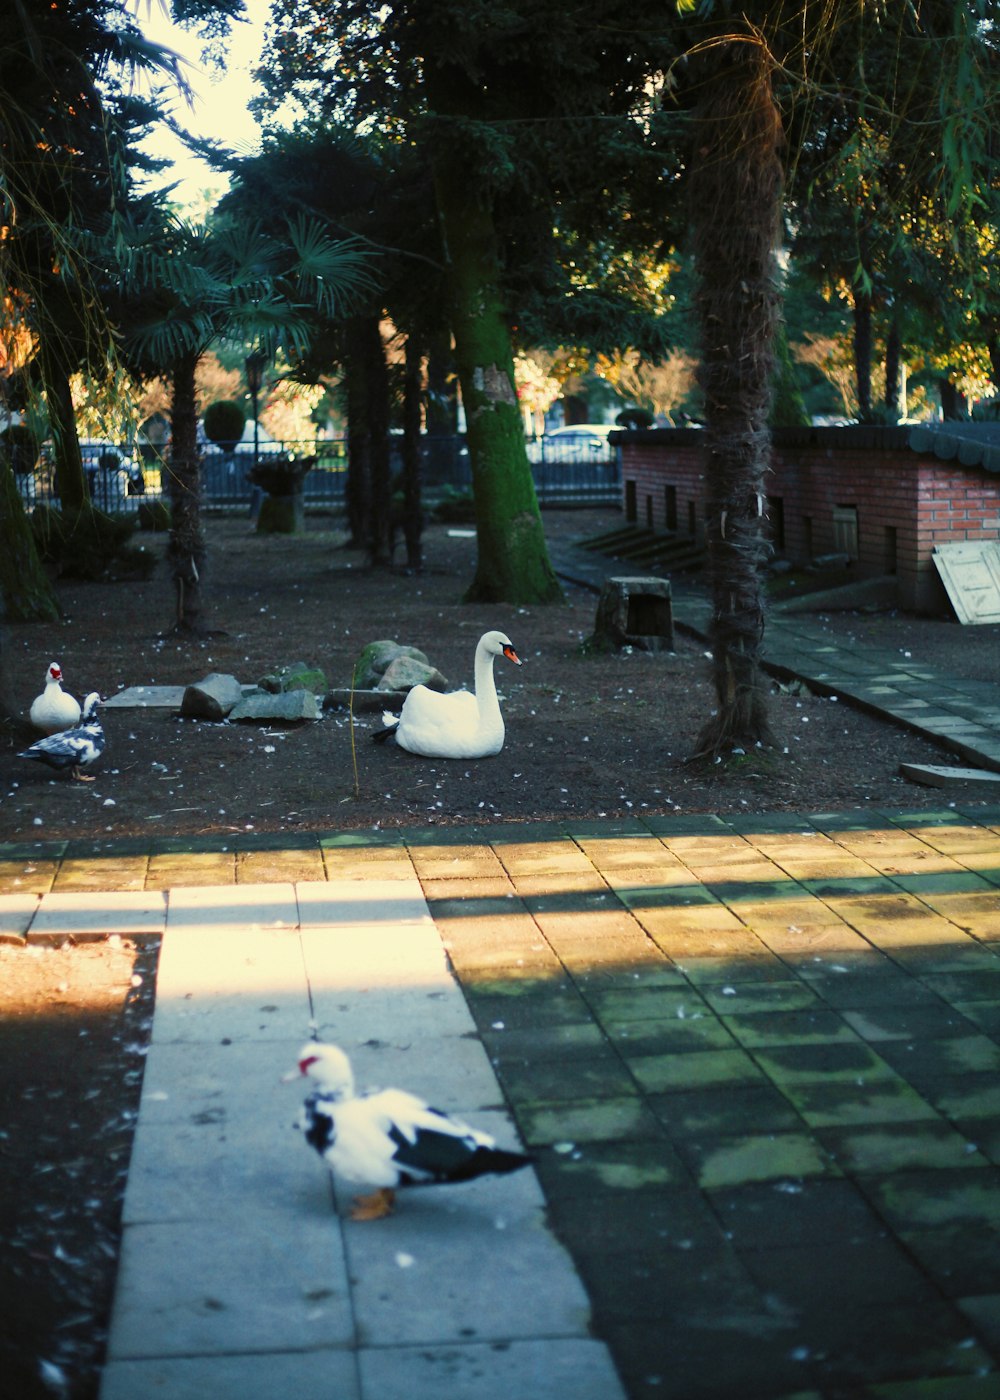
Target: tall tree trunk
{"points": [[71, 483], [863, 352], [442, 400], [369, 486], [954, 404], [736, 184], [413, 522], [894, 370], [186, 549], [358, 486], [26, 593], [513, 561], [378, 412]]}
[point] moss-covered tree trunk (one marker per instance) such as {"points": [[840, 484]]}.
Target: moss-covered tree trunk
{"points": [[735, 210], [513, 562], [186, 550], [71, 483], [26, 593]]}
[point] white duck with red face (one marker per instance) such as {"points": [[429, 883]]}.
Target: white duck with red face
{"points": [[389, 1139], [54, 710], [459, 724]]}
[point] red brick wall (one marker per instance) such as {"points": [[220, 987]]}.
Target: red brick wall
{"points": [[905, 502]]}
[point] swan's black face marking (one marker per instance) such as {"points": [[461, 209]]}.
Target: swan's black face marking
{"points": [[511, 655]]}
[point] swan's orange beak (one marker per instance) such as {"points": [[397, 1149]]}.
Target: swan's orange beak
{"points": [[512, 655]]}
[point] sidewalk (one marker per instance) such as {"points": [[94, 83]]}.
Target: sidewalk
{"points": [[757, 1059]]}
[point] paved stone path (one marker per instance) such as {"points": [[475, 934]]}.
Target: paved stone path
{"points": [[756, 1057]]}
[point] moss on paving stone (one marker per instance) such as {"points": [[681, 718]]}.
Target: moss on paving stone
{"points": [[925, 1200], [756, 1157], [970, 1096], [696, 1070], [830, 1063], [818, 1210], [840, 1105], [585, 1169], [725, 1112], [590, 1121], [695, 1031], [901, 1147], [778, 1028]]}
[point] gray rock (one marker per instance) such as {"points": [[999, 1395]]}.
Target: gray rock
{"points": [[211, 698], [406, 671], [362, 701], [288, 706], [296, 676], [374, 661]]}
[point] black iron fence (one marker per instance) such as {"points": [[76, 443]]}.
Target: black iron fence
{"points": [[120, 481]]}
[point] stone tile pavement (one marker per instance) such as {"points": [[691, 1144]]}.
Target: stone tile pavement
{"points": [[756, 1058]]}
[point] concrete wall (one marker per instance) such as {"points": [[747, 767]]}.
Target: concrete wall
{"points": [[830, 490]]}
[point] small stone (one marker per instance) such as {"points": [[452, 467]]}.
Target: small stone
{"points": [[211, 698], [290, 706]]}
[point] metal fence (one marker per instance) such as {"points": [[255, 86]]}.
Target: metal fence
{"points": [[120, 483]]}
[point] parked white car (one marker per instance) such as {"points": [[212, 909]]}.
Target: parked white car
{"points": [[578, 442], [112, 473]]}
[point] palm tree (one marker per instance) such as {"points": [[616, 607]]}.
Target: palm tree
{"points": [[226, 281], [747, 66]]}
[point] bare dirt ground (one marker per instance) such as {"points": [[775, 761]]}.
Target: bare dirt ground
{"points": [[586, 736]]}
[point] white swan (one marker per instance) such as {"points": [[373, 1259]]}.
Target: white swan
{"points": [[458, 724]]}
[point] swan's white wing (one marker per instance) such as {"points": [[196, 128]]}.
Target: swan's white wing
{"points": [[438, 725]]}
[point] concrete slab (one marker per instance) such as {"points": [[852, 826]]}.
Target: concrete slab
{"points": [[199, 908], [231, 984], [339, 901], [147, 697], [473, 1263], [203, 1288], [545, 1370], [16, 914], [83, 916], [314, 1375]]}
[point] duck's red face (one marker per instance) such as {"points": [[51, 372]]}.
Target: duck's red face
{"points": [[55, 672], [307, 1062]]}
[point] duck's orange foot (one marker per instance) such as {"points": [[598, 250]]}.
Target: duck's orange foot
{"points": [[82, 777], [374, 1207]]}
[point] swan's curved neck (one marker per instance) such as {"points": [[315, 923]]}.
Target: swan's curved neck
{"points": [[486, 690]]}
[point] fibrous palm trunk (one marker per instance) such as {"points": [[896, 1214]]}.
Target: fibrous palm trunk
{"points": [[186, 550], [736, 201]]}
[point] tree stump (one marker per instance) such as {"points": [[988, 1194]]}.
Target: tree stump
{"points": [[634, 612]]}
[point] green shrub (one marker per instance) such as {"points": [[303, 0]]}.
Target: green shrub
{"points": [[455, 507], [88, 544], [224, 422], [154, 515], [19, 447]]}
